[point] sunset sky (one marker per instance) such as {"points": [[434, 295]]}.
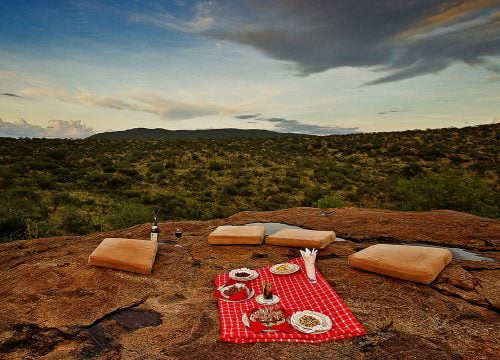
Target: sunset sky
{"points": [[72, 68]]}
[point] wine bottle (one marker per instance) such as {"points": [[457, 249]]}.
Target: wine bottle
{"points": [[155, 231]]}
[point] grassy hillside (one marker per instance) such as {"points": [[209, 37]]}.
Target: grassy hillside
{"points": [[58, 187]]}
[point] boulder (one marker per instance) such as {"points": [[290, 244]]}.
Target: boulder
{"points": [[55, 306]]}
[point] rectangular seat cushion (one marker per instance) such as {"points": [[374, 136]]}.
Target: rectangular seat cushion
{"points": [[301, 238], [125, 254], [230, 235], [414, 263]]}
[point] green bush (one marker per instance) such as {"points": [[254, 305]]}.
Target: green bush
{"points": [[446, 190], [156, 167], [74, 222], [12, 228], [331, 201], [128, 214], [216, 166]]}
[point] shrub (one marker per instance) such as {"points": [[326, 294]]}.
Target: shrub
{"points": [[74, 222], [128, 214], [12, 228], [64, 198], [216, 166], [335, 200], [446, 190], [156, 167]]}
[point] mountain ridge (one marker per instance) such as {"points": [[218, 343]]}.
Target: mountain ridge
{"points": [[165, 134]]}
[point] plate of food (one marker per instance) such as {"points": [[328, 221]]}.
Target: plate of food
{"points": [[268, 317], [311, 322], [243, 274], [233, 290], [284, 268]]}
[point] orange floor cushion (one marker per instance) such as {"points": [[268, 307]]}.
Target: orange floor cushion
{"points": [[301, 238], [125, 254], [237, 235], [415, 263]]}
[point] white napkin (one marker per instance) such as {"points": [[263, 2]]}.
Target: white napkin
{"points": [[309, 259], [309, 256]]}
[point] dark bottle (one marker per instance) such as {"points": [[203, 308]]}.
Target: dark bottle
{"points": [[155, 231], [178, 233], [268, 291]]}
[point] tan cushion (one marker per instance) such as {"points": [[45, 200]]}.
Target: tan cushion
{"points": [[415, 263], [229, 235], [125, 254], [301, 238]]}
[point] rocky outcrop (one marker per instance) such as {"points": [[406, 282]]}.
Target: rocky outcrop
{"points": [[54, 306]]}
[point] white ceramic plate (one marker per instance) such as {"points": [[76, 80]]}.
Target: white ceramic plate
{"points": [[250, 292], [284, 269], [253, 274], [325, 325], [260, 299], [246, 322]]}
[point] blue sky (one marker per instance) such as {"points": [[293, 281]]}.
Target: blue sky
{"points": [[315, 67]]}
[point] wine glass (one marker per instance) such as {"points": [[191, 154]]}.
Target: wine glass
{"points": [[178, 233]]}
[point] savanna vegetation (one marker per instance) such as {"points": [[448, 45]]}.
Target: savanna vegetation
{"points": [[62, 187]]}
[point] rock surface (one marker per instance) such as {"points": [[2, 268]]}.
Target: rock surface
{"points": [[54, 306]]}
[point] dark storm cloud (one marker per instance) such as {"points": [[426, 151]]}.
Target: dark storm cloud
{"points": [[13, 95], [249, 116], [406, 38], [295, 126]]}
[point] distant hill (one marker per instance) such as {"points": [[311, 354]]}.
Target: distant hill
{"points": [[164, 134]]}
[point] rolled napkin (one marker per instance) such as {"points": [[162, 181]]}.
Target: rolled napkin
{"points": [[309, 260], [257, 326]]}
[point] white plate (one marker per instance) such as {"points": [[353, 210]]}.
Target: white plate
{"points": [[260, 299], [253, 274], [326, 322], [291, 268], [246, 322], [226, 298]]}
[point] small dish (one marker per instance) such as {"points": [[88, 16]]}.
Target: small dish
{"points": [[261, 300], [284, 269], [236, 274]]}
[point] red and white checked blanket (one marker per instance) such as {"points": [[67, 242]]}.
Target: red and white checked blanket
{"points": [[296, 294]]}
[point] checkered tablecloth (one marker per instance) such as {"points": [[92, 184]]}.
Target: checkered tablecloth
{"points": [[296, 294]]}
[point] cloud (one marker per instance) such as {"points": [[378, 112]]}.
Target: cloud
{"points": [[249, 116], [202, 19], [176, 110], [295, 126], [68, 129], [22, 77], [55, 129], [144, 102], [390, 111], [251, 122], [404, 38], [494, 78], [13, 95]]}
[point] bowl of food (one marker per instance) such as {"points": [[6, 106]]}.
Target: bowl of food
{"points": [[243, 274], [311, 322]]}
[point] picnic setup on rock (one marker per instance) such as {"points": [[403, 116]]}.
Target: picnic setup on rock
{"points": [[296, 283], [285, 302]]}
